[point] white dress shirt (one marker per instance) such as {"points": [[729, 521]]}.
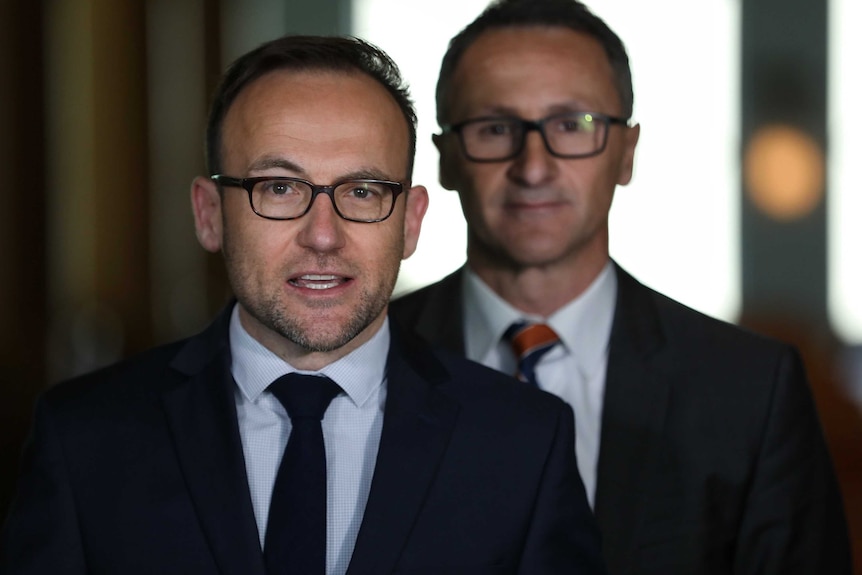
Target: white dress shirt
{"points": [[351, 432], [573, 370]]}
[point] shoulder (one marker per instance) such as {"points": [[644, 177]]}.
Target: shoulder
{"points": [[502, 417], [141, 378], [496, 396], [708, 337], [709, 370], [125, 383], [412, 303], [479, 391], [709, 366], [688, 331]]}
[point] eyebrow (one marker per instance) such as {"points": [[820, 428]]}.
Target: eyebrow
{"points": [[271, 162], [568, 107], [368, 174]]}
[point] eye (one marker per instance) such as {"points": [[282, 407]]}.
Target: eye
{"points": [[573, 124], [280, 190], [364, 190], [492, 128], [278, 187]]}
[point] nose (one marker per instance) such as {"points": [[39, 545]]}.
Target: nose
{"points": [[534, 165], [322, 228]]}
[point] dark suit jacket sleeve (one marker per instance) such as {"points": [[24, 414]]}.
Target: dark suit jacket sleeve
{"points": [[793, 521], [41, 534], [563, 537]]}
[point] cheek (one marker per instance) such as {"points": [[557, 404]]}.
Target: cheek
{"points": [[483, 187], [254, 246], [390, 246], [594, 181], [379, 254], [471, 208]]}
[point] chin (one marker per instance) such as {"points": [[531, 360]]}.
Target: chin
{"points": [[309, 336], [324, 332]]}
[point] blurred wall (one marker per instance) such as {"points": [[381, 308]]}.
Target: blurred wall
{"points": [[102, 113], [23, 312]]}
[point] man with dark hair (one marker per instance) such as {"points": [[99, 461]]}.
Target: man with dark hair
{"points": [[698, 443], [299, 433]]}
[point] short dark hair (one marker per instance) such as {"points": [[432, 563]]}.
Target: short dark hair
{"points": [[553, 13], [306, 53]]}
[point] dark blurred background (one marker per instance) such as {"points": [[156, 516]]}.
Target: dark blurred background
{"points": [[102, 109]]}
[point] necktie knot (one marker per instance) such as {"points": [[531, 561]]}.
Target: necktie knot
{"points": [[530, 341], [304, 396]]}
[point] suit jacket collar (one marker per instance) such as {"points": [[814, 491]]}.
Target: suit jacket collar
{"points": [[201, 413], [442, 318], [635, 321], [636, 396], [637, 387], [418, 421]]}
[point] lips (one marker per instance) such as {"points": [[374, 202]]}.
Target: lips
{"points": [[533, 208], [533, 205], [534, 199], [318, 281]]}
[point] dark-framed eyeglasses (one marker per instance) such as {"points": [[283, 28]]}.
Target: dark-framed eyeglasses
{"points": [[568, 135], [283, 198]]}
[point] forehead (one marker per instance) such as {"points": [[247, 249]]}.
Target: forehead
{"points": [[346, 121], [533, 70]]}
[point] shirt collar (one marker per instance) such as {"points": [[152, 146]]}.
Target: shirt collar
{"points": [[358, 373], [583, 324]]}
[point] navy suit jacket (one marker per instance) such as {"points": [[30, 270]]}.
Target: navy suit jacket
{"points": [[138, 469], [712, 458]]}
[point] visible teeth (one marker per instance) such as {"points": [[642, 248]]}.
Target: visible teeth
{"points": [[321, 286], [317, 281]]}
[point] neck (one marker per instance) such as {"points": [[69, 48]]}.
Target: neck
{"points": [[539, 290]]}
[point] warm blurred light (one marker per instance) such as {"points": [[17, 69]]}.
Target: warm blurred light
{"points": [[845, 155], [784, 172]]}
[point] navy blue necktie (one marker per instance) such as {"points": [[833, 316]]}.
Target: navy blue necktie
{"points": [[295, 542], [530, 341]]}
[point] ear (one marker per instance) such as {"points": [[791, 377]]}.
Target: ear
{"points": [[417, 205], [206, 204], [632, 136], [446, 168]]}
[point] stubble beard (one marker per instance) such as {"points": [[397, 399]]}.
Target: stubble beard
{"points": [[270, 312], [268, 308]]}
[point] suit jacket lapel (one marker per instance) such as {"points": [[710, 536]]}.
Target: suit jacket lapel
{"points": [[442, 318], [202, 418], [636, 396], [417, 424]]}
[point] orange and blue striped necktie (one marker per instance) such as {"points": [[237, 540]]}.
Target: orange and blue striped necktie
{"points": [[530, 341]]}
